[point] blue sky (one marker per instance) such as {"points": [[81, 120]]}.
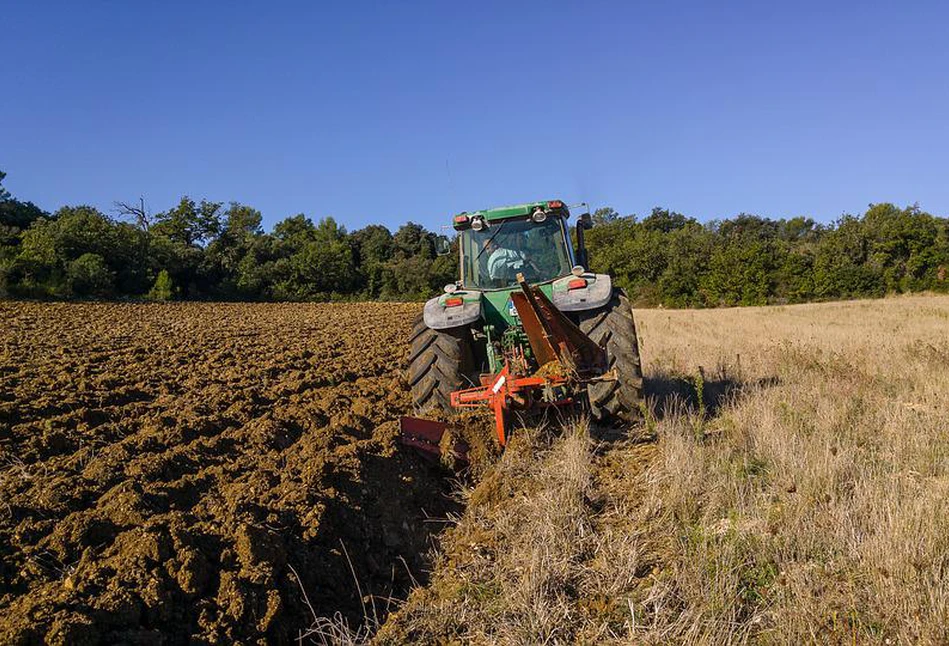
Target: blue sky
{"points": [[385, 112]]}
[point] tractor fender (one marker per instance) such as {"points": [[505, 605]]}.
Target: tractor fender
{"points": [[596, 294], [439, 316]]}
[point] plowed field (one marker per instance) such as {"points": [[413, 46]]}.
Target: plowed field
{"points": [[165, 470]]}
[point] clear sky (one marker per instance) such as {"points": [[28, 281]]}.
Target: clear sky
{"points": [[385, 112]]}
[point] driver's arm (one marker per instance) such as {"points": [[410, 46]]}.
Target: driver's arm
{"points": [[495, 264], [504, 263]]}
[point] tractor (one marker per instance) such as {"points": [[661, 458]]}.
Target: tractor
{"points": [[526, 326]]}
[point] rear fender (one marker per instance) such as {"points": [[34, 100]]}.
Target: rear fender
{"points": [[596, 294], [439, 316]]}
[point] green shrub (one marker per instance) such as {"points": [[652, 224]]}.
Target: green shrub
{"points": [[89, 276], [163, 289]]}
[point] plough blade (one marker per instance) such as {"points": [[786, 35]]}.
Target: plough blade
{"points": [[425, 436]]}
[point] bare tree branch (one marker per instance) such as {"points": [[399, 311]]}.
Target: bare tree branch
{"points": [[138, 214]]}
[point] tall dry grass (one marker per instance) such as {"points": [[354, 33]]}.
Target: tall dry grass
{"points": [[793, 488], [509, 570], [547, 551], [812, 505]]}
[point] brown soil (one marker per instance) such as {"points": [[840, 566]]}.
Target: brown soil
{"points": [[165, 469]]}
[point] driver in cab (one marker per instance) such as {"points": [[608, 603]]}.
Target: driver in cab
{"points": [[505, 263]]}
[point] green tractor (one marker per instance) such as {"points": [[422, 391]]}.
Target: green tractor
{"points": [[524, 297]]}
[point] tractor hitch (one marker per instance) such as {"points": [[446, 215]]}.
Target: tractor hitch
{"points": [[506, 391]]}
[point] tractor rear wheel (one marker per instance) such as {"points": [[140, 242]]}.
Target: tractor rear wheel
{"points": [[613, 327], [440, 362]]}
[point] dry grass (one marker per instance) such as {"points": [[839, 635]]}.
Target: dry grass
{"points": [[521, 558], [813, 505], [550, 549], [796, 491]]}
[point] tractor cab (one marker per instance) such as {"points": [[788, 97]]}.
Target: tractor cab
{"points": [[497, 246], [531, 239]]}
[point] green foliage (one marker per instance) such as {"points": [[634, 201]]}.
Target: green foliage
{"points": [[15, 216], [5, 267], [668, 259], [202, 250], [163, 289], [189, 223], [372, 249], [49, 250], [89, 276], [321, 266], [605, 215]]}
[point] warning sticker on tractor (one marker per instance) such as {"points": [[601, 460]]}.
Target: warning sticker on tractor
{"points": [[499, 384], [511, 310]]}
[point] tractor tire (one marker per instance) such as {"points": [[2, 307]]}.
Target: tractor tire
{"points": [[613, 328], [440, 362]]}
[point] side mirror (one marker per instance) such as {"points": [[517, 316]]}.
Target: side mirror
{"points": [[584, 222], [442, 245]]}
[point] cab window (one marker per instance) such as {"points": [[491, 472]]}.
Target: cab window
{"points": [[492, 257]]}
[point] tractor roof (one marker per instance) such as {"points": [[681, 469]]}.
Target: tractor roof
{"points": [[518, 210]]}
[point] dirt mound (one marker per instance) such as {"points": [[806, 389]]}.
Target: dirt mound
{"points": [[165, 470]]}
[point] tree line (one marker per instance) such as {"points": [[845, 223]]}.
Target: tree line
{"points": [[211, 251], [672, 260], [215, 251]]}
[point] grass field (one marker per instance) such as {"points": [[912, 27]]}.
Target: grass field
{"points": [[789, 486], [812, 504], [229, 472]]}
